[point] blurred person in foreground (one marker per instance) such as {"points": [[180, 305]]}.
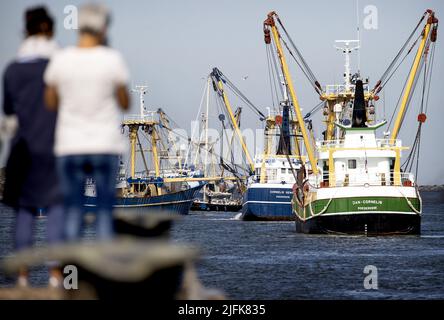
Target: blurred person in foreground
{"points": [[31, 181], [87, 85]]}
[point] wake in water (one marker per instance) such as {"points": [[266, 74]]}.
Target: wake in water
{"points": [[237, 216]]}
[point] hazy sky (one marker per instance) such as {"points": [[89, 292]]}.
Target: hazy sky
{"points": [[171, 45]]}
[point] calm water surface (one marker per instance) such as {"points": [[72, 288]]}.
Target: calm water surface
{"points": [[269, 260]]}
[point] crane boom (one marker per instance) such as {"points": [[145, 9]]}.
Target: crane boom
{"points": [[219, 87], [427, 34], [269, 23]]}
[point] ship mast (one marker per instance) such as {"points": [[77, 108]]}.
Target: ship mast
{"points": [[141, 90], [346, 50], [336, 96], [206, 126], [145, 120], [133, 131]]}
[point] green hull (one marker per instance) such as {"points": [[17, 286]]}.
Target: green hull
{"points": [[360, 215], [358, 205]]}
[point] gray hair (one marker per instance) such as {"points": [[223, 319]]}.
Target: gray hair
{"points": [[93, 18]]}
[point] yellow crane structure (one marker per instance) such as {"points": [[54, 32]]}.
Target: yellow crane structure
{"points": [[148, 123], [271, 32], [219, 79], [428, 35], [155, 127]]}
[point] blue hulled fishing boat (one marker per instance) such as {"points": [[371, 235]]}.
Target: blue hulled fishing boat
{"points": [[269, 191], [174, 202], [157, 180]]}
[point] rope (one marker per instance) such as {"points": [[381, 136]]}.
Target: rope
{"points": [[415, 81], [310, 80], [209, 150], [415, 151], [197, 117], [320, 212], [386, 72], [270, 78], [286, 147], [276, 75], [410, 204], [230, 149], [432, 60], [397, 105], [312, 77], [314, 110], [418, 148], [400, 63], [238, 93]]}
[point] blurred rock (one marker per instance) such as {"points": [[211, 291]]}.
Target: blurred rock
{"points": [[144, 225], [118, 269]]}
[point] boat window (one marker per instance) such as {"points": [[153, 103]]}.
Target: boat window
{"points": [[272, 174], [283, 170], [352, 164]]}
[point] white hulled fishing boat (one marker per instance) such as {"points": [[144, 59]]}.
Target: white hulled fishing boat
{"points": [[359, 184], [354, 182]]}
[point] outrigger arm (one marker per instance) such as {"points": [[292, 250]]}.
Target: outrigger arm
{"points": [[429, 32], [269, 23], [219, 87]]}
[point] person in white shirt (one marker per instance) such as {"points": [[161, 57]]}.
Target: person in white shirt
{"points": [[87, 84]]}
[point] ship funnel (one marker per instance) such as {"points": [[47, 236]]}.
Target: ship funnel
{"points": [[359, 112]]}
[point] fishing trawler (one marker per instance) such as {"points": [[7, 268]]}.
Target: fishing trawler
{"points": [[225, 178], [359, 188], [170, 188], [221, 195], [217, 201], [356, 183], [279, 166], [269, 176], [269, 192]]}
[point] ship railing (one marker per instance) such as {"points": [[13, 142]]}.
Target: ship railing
{"points": [[272, 113], [341, 89], [275, 178], [364, 180], [381, 143], [148, 116], [289, 181], [272, 160], [339, 143]]}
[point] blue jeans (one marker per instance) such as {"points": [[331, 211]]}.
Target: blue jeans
{"points": [[73, 172]]}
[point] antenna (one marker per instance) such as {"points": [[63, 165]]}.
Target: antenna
{"points": [[141, 90], [358, 30], [346, 50]]}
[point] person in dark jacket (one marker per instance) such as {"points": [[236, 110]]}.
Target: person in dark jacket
{"points": [[31, 178]]}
